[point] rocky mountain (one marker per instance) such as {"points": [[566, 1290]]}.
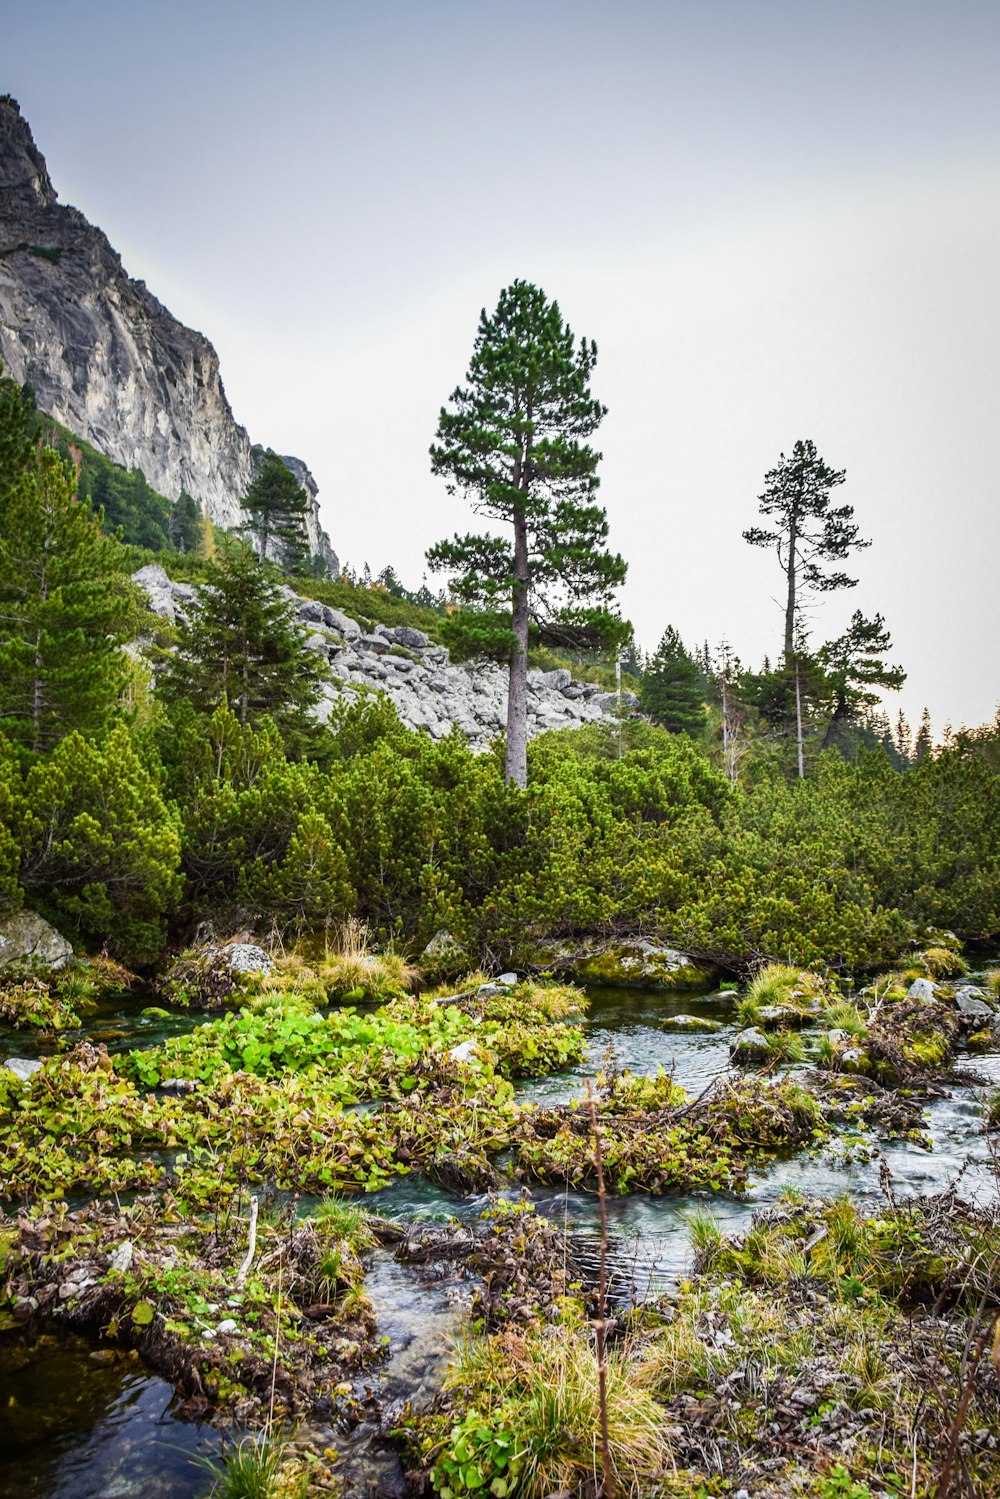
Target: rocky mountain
{"points": [[427, 689], [106, 358]]}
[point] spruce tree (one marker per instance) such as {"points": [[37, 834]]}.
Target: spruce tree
{"points": [[515, 443], [276, 505], [673, 692], [243, 642], [185, 524], [66, 608], [923, 744], [16, 429]]}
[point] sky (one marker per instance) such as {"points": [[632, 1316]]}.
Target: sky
{"points": [[778, 219]]}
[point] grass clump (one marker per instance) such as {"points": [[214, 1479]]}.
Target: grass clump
{"points": [[779, 984], [343, 966], [531, 1399], [258, 1467], [941, 963]]}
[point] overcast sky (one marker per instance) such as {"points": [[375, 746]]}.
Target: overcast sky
{"points": [[779, 219]]}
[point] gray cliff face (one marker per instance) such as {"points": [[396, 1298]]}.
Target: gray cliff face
{"points": [[106, 358]]}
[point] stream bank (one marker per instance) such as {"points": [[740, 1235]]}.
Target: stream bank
{"points": [[651, 1236]]}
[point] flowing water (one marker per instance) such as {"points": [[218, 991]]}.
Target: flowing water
{"points": [[75, 1428]]}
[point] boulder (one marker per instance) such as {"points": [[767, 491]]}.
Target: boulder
{"points": [[627, 963], [348, 627], [750, 1045], [465, 1051], [312, 611], [23, 1067], [154, 583], [970, 1002], [246, 957], [775, 1017], [923, 990], [28, 941], [414, 640], [691, 1023]]}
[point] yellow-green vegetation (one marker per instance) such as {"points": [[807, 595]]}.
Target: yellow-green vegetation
{"points": [[655, 1139], [259, 1467], [266, 1093], [54, 1001], [236, 1317], [782, 986], [31, 1002], [532, 1430], [823, 1353], [941, 963], [993, 982], [318, 969], [341, 966]]}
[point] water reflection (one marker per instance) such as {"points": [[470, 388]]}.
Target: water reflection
{"points": [[73, 1426]]}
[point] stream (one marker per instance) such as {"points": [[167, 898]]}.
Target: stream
{"points": [[83, 1423]]}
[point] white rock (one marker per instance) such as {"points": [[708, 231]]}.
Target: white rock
{"points": [[23, 1067], [465, 1051], [121, 1258], [921, 989]]}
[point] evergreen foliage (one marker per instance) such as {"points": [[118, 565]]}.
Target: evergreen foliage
{"points": [[66, 608], [276, 505], [185, 525], [243, 642], [673, 690], [854, 663], [806, 532], [16, 431], [96, 845], [515, 442]]}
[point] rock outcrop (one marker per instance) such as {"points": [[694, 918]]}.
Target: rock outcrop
{"points": [[107, 359], [428, 690], [27, 941]]}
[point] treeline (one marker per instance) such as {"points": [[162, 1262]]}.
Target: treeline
{"points": [[140, 792]]}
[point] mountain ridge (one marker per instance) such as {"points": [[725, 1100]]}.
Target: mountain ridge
{"points": [[106, 358]]}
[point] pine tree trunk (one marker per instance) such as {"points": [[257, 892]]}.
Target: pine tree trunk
{"points": [[516, 767], [798, 722], [793, 538]]}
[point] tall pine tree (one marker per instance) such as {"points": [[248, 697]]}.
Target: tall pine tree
{"points": [[806, 532], [515, 443]]}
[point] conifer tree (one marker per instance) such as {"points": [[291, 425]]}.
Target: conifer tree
{"points": [[276, 504], [854, 664], [243, 642], [515, 443], [66, 608], [16, 412], [184, 527], [923, 744], [673, 692], [807, 532]]}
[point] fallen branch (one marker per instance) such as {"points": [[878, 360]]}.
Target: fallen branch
{"points": [[252, 1250]]}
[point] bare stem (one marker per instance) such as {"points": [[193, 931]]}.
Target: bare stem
{"points": [[601, 1323]]}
